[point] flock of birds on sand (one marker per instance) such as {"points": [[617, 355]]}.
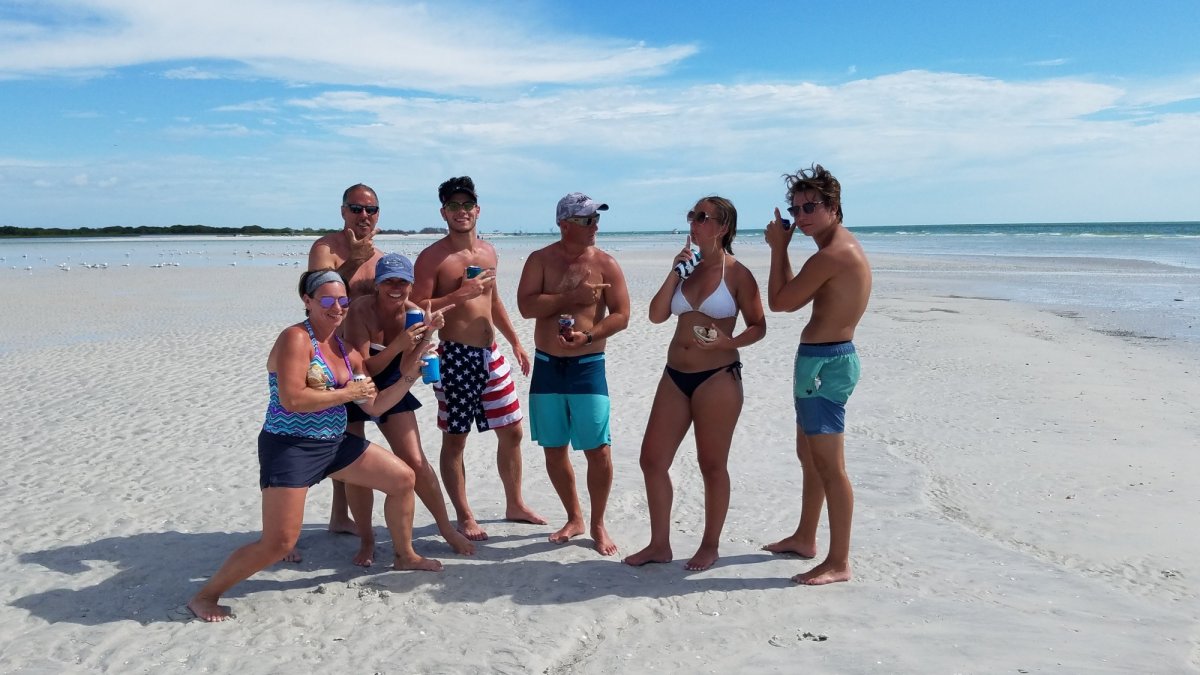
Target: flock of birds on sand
{"points": [[66, 266]]}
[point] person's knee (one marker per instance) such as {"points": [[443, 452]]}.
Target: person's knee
{"points": [[713, 467], [454, 444], [280, 542], [652, 462], [511, 435], [599, 457]]}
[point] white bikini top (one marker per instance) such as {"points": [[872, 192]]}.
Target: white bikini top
{"points": [[719, 305]]}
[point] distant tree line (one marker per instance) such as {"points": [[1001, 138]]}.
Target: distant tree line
{"points": [[123, 231]]}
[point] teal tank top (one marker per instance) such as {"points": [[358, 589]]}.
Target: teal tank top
{"points": [[324, 424]]}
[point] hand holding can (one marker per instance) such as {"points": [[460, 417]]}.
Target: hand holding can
{"points": [[359, 377], [431, 368]]}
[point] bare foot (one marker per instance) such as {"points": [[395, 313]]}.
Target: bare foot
{"points": [[604, 543], [792, 545], [704, 558], [471, 530], [366, 553], [343, 526], [825, 573], [293, 556], [458, 542], [207, 609], [650, 554], [524, 514], [416, 563], [573, 528]]}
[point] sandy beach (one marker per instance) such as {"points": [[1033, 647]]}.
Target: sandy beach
{"points": [[1027, 491]]}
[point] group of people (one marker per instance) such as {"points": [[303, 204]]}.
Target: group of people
{"points": [[356, 299]]}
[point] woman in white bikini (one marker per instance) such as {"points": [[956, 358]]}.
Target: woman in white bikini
{"points": [[702, 383]]}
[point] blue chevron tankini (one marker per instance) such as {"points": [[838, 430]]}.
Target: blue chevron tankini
{"points": [[324, 424]]}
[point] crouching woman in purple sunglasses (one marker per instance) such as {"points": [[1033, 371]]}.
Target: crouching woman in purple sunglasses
{"points": [[303, 440]]}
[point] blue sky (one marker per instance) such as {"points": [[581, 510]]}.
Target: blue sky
{"points": [[260, 112]]}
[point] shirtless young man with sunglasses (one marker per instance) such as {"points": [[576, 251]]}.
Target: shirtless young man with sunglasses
{"points": [[836, 280]]}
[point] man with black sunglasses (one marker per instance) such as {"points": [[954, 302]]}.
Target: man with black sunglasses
{"points": [[459, 270], [352, 251], [837, 281]]}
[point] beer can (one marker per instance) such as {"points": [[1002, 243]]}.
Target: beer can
{"points": [[473, 271], [359, 377], [413, 316], [431, 369], [566, 326], [684, 269]]}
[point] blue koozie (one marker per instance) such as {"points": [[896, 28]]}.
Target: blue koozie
{"points": [[431, 370], [413, 316]]}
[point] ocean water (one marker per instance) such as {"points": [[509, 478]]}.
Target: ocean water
{"points": [[1134, 279]]}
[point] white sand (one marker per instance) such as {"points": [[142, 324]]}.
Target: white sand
{"points": [[1026, 502]]}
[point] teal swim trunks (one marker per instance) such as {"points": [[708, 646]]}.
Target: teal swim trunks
{"points": [[568, 401], [825, 376]]}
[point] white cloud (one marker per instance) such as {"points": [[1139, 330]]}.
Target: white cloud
{"points": [[410, 46], [190, 73]]}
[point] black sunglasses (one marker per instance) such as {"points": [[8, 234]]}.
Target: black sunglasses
{"points": [[807, 207], [583, 221], [359, 208], [699, 217], [453, 207]]}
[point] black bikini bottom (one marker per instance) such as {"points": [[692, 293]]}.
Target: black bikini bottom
{"points": [[688, 382]]}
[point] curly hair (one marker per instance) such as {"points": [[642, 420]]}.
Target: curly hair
{"points": [[816, 179]]}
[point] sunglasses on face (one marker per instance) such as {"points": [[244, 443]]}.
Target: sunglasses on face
{"points": [[327, 301], [359, 208], [807, 207], [453, 207], [699, 217], [583, 221]]}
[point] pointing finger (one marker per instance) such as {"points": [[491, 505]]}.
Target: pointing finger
{"points": [[689, 241], [778, 216]]}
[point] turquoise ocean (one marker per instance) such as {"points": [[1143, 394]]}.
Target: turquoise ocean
{"points": [[1140, 280]]}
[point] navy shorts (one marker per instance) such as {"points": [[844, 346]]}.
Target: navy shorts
{"points": [[296, 461]]}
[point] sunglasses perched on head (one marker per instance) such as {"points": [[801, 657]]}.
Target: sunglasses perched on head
{"points": [[359, 208], [328, 300], [458, 206], [807, 207], [699, 217], [583, 221]]}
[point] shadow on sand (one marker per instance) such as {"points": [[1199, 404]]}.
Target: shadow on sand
{"points": [[156, 573]]}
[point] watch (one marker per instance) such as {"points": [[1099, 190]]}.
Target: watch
{"points": [[588, 333]]}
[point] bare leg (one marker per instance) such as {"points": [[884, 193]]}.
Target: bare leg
{"points": [[599, 480], [716, 406], [454, 473], [379, 469], [508, 462], [562, 477], [361, 501], [828, 455], [282, 516], [669, 420], [803, 542], [340, 509], [404, 436]]}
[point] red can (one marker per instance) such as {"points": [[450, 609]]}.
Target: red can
{"points": [[566, 326]]}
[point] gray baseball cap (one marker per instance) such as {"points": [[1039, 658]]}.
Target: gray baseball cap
{"points": [[577, 204]]}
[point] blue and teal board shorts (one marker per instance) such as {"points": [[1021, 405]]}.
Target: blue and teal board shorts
{"points": [[825, 376], [568, 401]]}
